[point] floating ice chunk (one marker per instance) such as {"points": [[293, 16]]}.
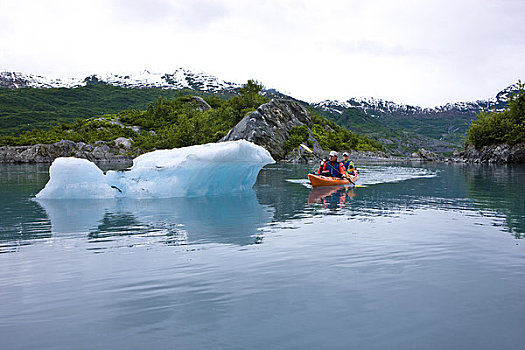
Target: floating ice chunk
{"points": [[211, 169], [71, 178]]}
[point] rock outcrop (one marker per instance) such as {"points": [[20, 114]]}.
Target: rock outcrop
{"points": [[269, 126], [201, 104], [493, 154], [98, 152], [424, 155]]}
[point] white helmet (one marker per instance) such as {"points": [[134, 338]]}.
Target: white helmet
{"points": [[332, 153]]}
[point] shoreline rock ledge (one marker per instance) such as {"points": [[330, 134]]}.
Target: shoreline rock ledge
{"points": [[99, 152], [503, 153]]}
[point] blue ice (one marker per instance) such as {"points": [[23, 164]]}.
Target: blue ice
{"points": [[200, 170]]}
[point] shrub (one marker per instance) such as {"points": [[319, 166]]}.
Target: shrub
{"points": [[507, 126], [298, 135]]}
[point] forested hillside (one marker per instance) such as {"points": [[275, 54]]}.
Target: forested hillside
{"points": [[29, 108], [399, 136]]}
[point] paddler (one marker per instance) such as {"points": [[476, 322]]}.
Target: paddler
{"points": [[332, 167], [349, 165]]}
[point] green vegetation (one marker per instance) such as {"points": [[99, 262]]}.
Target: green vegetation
{"points": [[508, 126], [29, 108], [404, 135], [298, 135], [334, 137]]}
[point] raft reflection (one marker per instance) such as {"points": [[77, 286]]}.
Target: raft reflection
{"points": [[331, 197]]}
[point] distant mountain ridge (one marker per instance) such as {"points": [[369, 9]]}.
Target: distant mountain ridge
{"points": [[184, 78], [404, 128], [179, 79], [378, 107]]}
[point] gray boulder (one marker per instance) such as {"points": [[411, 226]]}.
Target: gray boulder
{"points": [[201, 104], [269, 126], [124, 143], [425, 155]]}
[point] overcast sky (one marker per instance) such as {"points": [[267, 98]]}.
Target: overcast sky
{"points": [[423, 53]]}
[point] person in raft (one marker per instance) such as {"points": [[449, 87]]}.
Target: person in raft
{"points": [[349, 165], [332, 167]]}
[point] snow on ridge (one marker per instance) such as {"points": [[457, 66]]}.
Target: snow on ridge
{"points": [[372, 104], [180, 78], [365, 104], [19, 80], [334, 106]]}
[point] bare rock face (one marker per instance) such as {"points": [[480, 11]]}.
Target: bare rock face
{"points": [[269, 126], [493, 154]]}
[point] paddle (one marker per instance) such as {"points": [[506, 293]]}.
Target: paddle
{"points": [[312, 152], [309, 150]]}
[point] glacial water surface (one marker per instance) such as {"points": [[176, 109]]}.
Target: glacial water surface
{"points": [[417, 257]]}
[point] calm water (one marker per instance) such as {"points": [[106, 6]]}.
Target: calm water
{"points": [[423, 257]]}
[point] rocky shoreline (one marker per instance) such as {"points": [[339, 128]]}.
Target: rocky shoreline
{"points": [[120, 153], [99, 152], [493, 154]]}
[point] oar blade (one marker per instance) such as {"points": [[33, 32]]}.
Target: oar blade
{"points": [[307, 148]]}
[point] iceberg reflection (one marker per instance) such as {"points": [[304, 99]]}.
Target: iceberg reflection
{"points": [[233, 219]]}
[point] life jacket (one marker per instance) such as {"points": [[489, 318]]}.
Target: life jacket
{"points": [[349, 164], [350, 167], [334, 169]]}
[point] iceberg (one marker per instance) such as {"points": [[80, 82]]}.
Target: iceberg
{"points": [[201, 170]]}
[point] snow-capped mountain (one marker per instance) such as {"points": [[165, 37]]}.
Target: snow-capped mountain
{"points": [[377, 107], [15, 80], [181, 78]]}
